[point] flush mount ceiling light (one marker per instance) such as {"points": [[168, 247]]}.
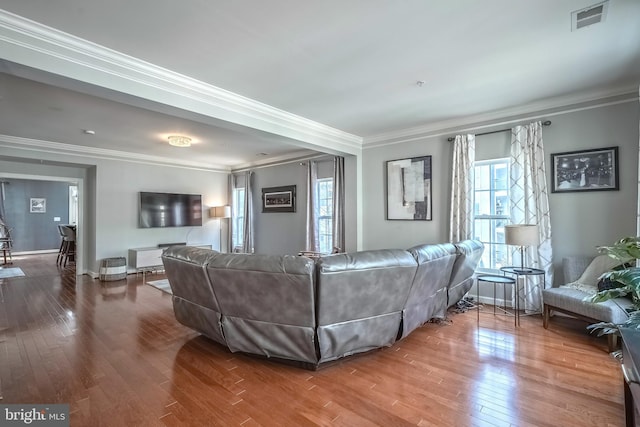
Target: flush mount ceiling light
{"points": [[179, 141]]}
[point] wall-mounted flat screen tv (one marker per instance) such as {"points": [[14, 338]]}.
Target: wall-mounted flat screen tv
{"points": [[169, 210]]}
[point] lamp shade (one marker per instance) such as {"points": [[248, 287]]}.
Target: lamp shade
{"points": [[521, 234], [220, 212]]}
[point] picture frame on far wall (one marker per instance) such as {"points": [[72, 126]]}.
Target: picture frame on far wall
{"points": [[279, 199], [409, 189], [585, 170], [37, 205]]}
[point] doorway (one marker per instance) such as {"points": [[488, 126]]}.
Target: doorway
{"points": [[34, 208]]}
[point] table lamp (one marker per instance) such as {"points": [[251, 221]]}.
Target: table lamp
{"points": [[220, 212], [522, 235]]}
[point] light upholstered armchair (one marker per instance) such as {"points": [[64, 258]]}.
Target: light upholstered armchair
{"points": [[580, 280]]}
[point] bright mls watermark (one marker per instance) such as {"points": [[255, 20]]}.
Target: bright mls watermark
{"points": [[34, 415]]}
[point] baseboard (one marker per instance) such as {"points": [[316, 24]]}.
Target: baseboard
{"points": [[489, 301], [44, 251]]}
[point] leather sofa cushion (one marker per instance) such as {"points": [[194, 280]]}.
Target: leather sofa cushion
{"points": [[184, 267], [363, 284], [469, 254], [268, 288]]}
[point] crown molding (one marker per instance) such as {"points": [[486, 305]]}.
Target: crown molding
{"points": [[545, 108], [59, 148], [35, 45], [297, 156]]}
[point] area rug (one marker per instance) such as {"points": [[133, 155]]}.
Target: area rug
{"points": [[162, 284], [5, 273]]}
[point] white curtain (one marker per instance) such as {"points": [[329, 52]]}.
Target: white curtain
{"points": [[338, 204], [461, 220], [313, 242], [530, 205], [247, 240]]}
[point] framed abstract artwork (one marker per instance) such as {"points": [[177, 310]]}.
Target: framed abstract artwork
{"points": [[409, 189]]}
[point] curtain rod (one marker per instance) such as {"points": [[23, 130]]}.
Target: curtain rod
{"points": [[545, 123]]}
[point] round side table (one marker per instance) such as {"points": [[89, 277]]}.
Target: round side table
{"points": [[521, 271], [491, 278]]}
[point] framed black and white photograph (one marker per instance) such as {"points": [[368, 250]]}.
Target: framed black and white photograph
{"points": [[586, 170], [409, 189], [37, 205], [279, 199]]}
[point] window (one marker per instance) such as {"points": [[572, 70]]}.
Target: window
{"points": [[237, 216], [324, 190], [491, 211], [73, 204]]}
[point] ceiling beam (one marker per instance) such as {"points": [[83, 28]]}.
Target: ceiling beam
{"points": [[29, 43]]}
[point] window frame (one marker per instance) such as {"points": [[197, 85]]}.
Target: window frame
{"points": [[237, 217], [492, 217], [326, 218]]}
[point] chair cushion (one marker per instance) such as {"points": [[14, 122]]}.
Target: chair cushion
{"points": [[572, 300]]}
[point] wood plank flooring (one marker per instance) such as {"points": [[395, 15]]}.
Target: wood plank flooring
{"points": [[116, 354]]}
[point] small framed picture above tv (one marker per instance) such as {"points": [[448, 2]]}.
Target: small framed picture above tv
{"points": [[158, 210]]}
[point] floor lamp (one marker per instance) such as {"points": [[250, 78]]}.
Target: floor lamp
{"points": [[522, 235], [220, 212]]}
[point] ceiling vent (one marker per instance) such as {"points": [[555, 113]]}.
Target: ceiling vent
{"points": [[589, 15]]}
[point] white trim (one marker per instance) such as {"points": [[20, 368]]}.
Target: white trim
{"points": [[491, 161], [37, 145], [82, 227], [43, 251], [36, 45], [283, 160], [531, 112], [296, 156]]}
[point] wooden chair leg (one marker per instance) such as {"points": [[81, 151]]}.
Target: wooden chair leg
{"points": [[546, 313], [60, 252]]}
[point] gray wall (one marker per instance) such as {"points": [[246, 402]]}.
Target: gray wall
{"points": [[380, 233], [280, 232], [108, 223], [285, 232], [109, 202], [580, 221], [35, 231]]}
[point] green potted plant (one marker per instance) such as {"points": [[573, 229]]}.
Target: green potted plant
{"points": [[622, 282]]}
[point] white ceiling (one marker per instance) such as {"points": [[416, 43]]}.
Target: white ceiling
{"points": [[351, 65]]}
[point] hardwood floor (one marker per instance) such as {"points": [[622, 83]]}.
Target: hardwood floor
{"points": [[116, 354]]}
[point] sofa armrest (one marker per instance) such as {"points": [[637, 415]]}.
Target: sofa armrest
{"points": [[574, 266]]}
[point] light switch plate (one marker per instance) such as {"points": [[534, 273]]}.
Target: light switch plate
{"points": [[56, 219]]}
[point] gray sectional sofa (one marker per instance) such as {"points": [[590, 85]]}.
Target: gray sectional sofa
{"points": [[314, 311]]}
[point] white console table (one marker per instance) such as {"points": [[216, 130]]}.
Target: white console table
{"points": [[146, 260], [149, 259]]}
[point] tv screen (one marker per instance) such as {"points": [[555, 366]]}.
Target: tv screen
{"points": [[169, 210]]}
